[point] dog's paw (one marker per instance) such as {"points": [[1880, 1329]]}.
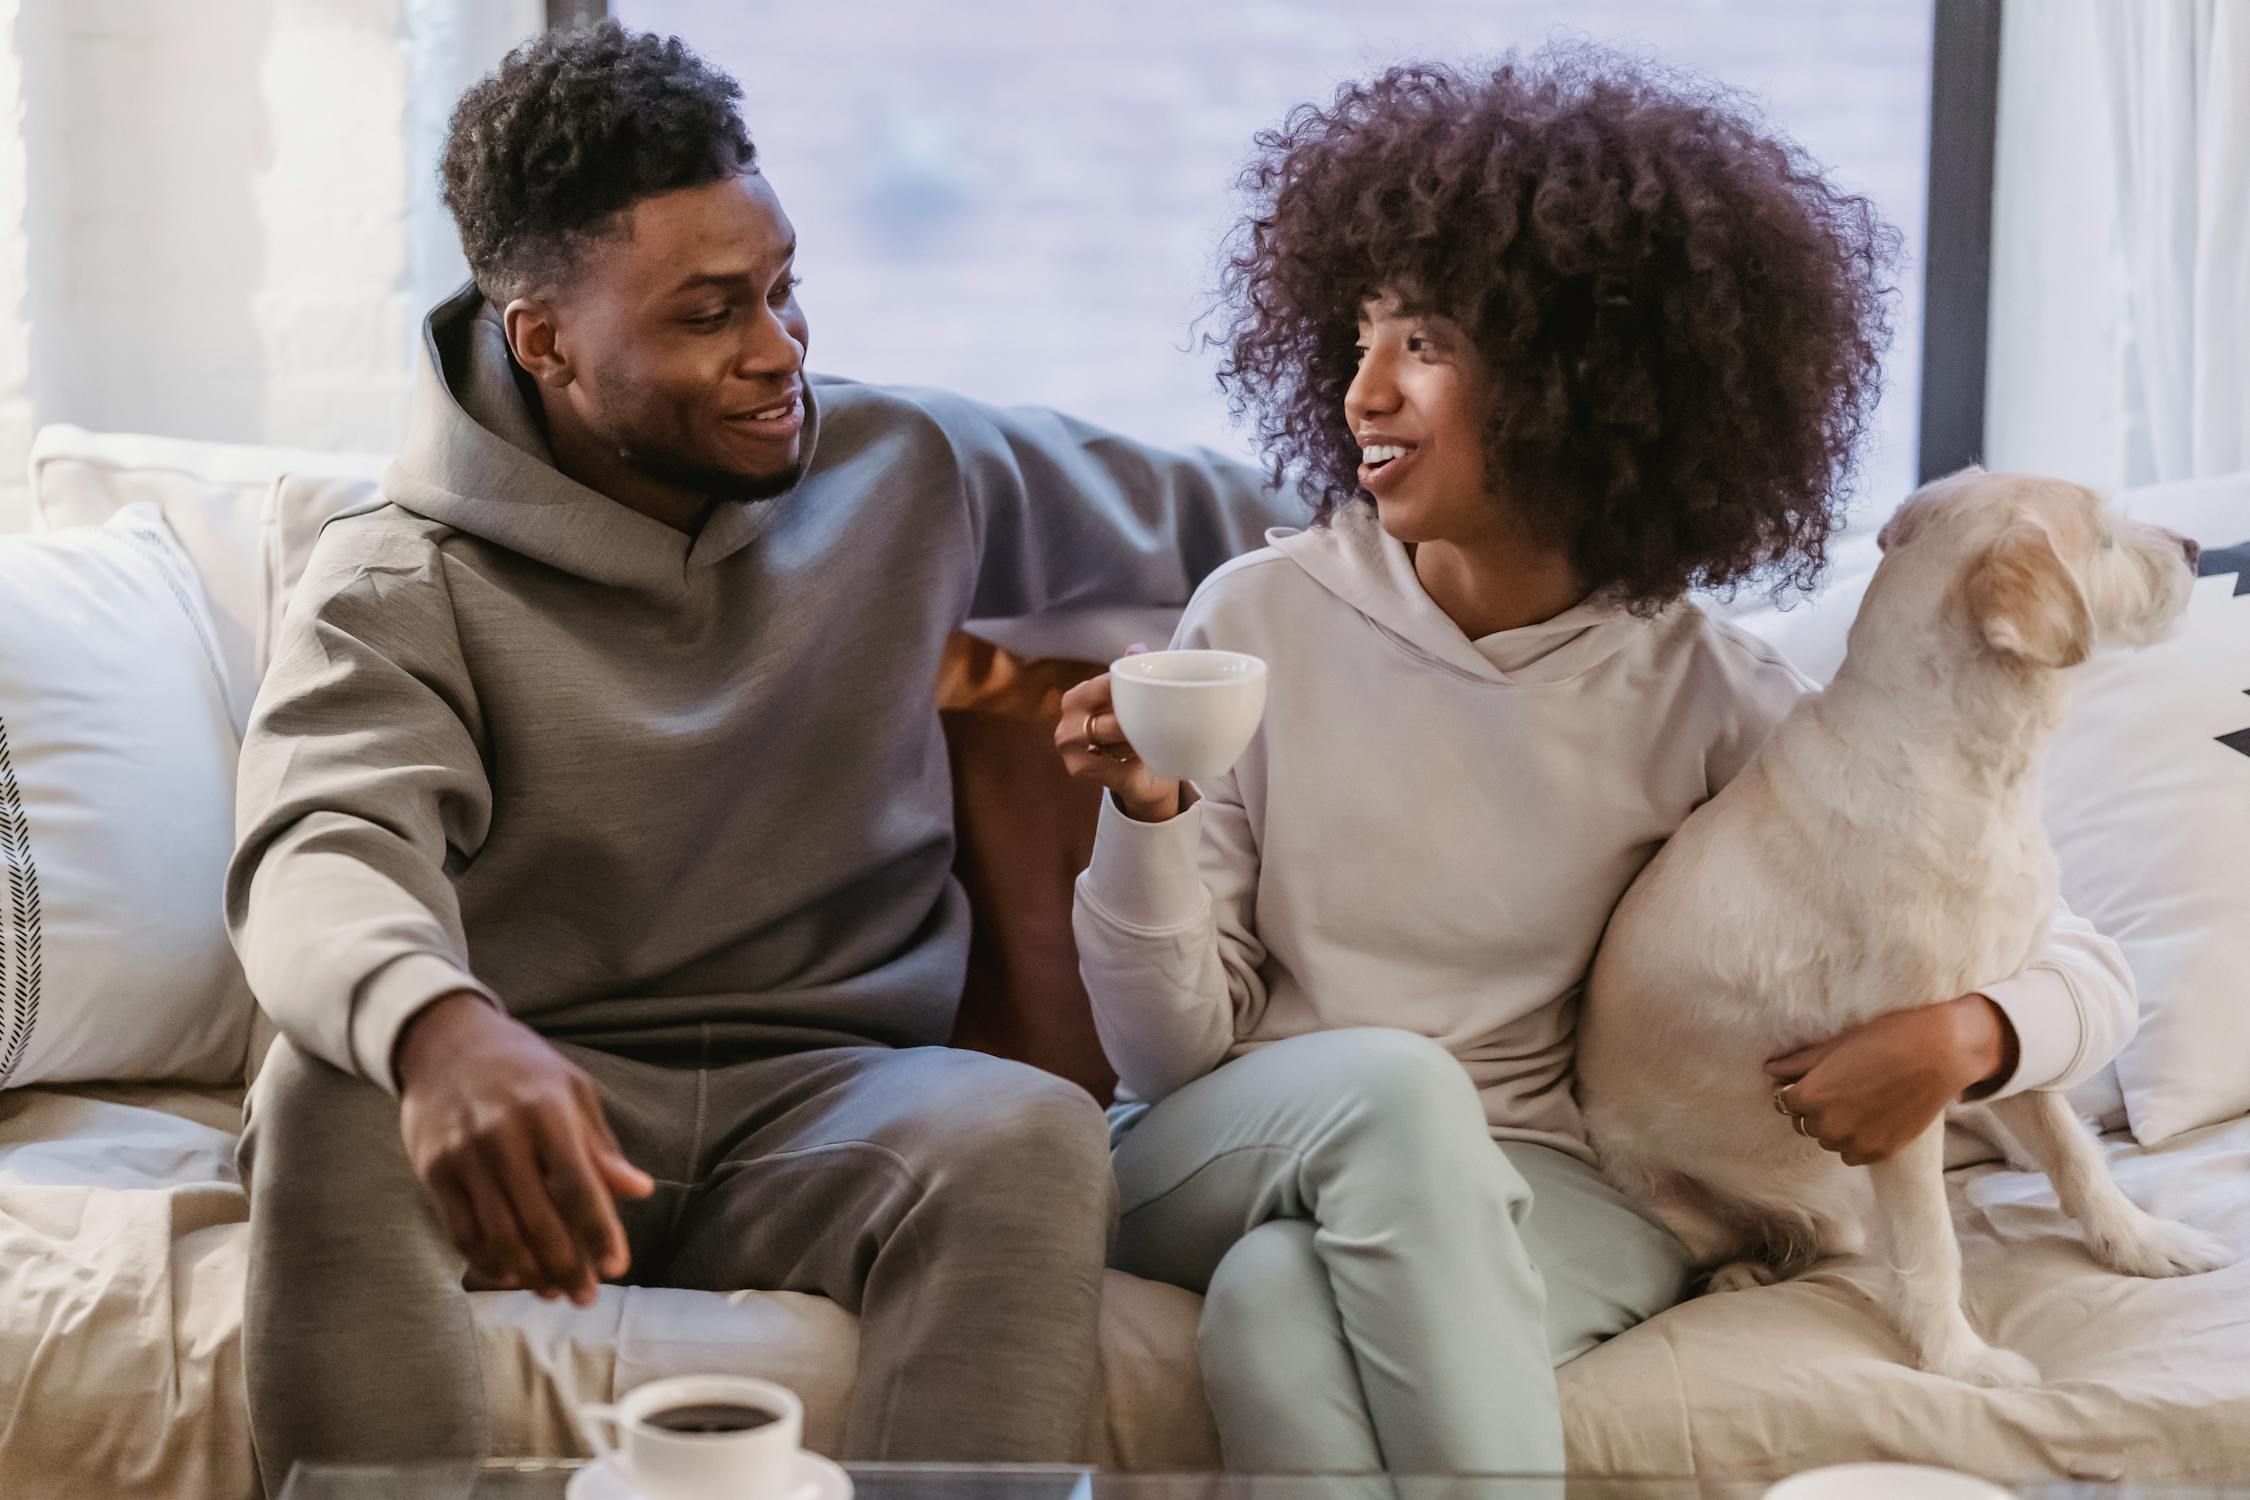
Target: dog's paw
{"points": [[2159, 1247], [1741, 1275], [1981, 1364]]}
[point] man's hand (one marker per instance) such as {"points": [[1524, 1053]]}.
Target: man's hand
{"points": [[1870, 1092], [508, 1138]]}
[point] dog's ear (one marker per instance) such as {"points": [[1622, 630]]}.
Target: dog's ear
{"points": [[2024, 601], [1899, 527]]}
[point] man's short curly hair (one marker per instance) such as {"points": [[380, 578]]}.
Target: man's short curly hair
{"points": [[570, 130], [1683, 319]]}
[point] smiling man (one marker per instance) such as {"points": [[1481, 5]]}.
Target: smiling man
{"points": [[596, 825]]}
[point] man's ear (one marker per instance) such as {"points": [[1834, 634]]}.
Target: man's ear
{"points": [[533, 340], [2024, 601]]}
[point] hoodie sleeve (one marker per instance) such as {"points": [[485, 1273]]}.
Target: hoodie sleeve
{"points": [[1165, 942], [2073, 1008], [1167, 937], [1065, 515], [361, 786]]}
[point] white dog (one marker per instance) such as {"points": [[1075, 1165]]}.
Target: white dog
{"points": [[1883, 850]]}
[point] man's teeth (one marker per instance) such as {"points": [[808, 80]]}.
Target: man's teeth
{"points": [[783, 410], [1381, 453]]}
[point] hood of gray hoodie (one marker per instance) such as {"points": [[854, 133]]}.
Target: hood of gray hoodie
{"points": [[476, 459], [1363, 565]]}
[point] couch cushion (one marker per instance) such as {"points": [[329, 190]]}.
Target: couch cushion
{"points": [[1023, 831], [2147, 1379], [218, 498]]}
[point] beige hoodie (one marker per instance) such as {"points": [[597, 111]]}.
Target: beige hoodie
{"points": [[1430, 832]]}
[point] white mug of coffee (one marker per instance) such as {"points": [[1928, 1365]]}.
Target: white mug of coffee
{"points": [[701, 1437], [1188, 715]]}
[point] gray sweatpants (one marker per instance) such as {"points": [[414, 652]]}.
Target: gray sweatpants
{"points": [[960, 1205]]}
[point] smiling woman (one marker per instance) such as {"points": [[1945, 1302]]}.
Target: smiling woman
{"points": [[1630, 324]]}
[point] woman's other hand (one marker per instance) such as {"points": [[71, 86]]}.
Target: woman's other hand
{"points": [[1869, 1092], [1094, 747]]}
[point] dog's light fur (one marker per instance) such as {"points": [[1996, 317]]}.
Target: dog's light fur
{"points": [[1882, 851]]}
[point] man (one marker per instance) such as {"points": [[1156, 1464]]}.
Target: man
{"points": [[595, 815]]}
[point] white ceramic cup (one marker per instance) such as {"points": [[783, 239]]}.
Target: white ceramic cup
{"points": [[1189, 715], [753, 1464], [1885, 1482]]}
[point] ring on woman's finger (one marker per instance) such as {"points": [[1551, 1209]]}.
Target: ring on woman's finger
{"points": [[1781, 1100], [1802, 1129], [1093, 746]]}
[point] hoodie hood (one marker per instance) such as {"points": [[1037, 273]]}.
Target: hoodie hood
{"points": [[1355, 559], [476, 460]]}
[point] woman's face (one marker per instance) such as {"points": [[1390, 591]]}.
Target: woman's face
{"points": [[1417, 408]]}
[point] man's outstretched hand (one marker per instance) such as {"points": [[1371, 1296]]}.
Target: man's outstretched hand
{"points": [[509, 1140], [1869, 1093]]}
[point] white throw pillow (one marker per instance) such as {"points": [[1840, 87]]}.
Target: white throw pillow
{"points": [[2148, 804], [117, 757]]}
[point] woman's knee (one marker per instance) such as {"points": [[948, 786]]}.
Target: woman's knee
{"points": [[1389, 1082], [1268, 1281]]}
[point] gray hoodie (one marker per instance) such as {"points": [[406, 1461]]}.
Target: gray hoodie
{"points": [[652, 790]]}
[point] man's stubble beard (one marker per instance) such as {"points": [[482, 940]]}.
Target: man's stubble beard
{"points": [[719, 484]]}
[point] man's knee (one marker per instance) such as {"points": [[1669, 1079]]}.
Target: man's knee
{"points": [[304, 1117], [1008, 1123]]}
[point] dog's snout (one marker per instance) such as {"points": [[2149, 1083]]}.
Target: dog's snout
{"points": [[2191, 549]]}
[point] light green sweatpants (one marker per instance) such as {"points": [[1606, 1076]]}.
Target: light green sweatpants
{"points": [[1385, 1287]]}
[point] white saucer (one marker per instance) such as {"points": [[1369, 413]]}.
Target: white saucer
{"points": [[1882, 1481], [816, 1478]]}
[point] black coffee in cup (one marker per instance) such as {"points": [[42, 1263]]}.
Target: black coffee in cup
{"points": [[711, 1417]]}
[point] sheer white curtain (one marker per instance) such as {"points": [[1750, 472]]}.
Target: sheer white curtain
{"points": [[2179, 105], [2121, 266], [222, 221]]}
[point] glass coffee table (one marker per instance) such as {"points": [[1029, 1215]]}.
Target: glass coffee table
{"points": [[548, 1480]]}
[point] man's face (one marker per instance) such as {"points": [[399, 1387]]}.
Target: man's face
{"points": [[686, 343]]}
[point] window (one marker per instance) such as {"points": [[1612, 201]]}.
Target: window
{"points": [[1023, 201]]}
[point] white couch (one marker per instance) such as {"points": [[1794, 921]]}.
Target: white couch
{"points": [[122, 1235]]}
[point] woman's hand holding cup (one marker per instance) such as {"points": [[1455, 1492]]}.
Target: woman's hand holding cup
{"points": [[1095, 749]]}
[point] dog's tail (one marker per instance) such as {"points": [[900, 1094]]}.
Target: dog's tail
{"points": [[1785, 1236]]}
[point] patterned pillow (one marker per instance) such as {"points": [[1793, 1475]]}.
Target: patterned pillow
{"points": [[2148, 803], [2218, 563], [117, 755]]}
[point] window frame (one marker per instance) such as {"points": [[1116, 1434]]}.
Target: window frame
{"points": [[1957, 258]]}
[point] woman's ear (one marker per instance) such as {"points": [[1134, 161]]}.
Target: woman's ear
{"points": [[532, 339], [2024, 601]]}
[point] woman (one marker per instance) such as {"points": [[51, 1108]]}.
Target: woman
{"points": [[1547, 346]]}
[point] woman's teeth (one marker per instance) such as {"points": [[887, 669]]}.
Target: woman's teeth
{"points": [[1380, 454]]}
